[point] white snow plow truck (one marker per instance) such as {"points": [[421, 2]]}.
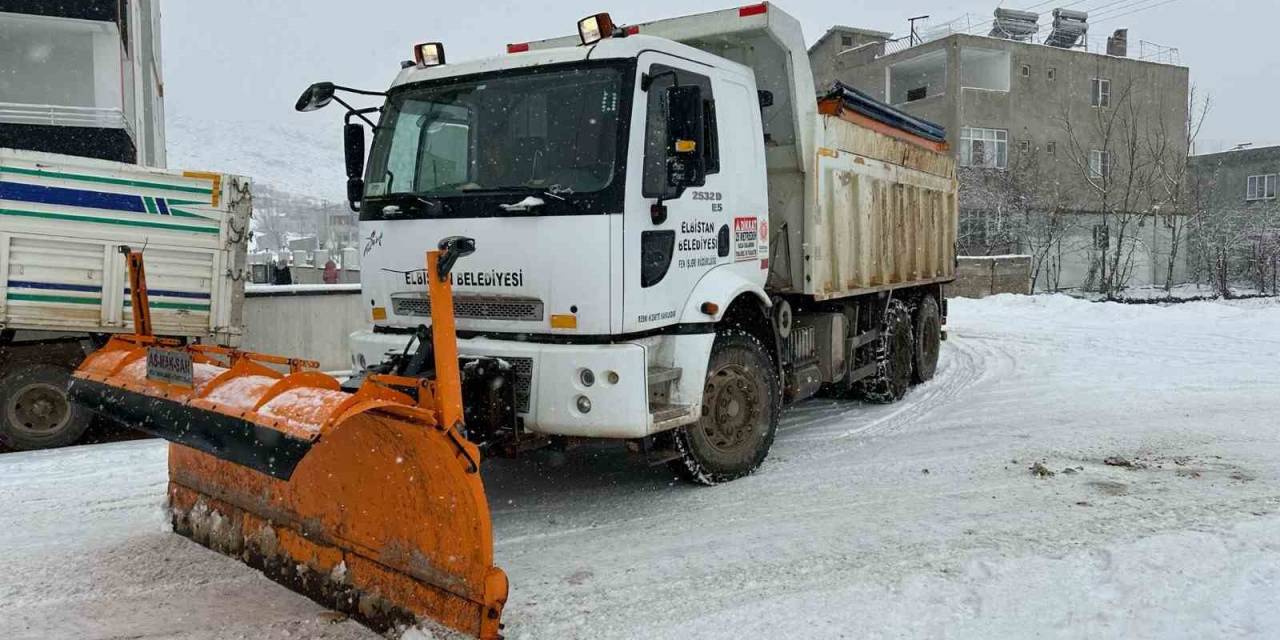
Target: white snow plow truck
{"points": [[677, 235]]}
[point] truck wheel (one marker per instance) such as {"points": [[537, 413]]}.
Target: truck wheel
{"points": [[894, 355], [35, 410], [928, 339], [740, 405]]}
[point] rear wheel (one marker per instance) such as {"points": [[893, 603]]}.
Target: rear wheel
{"points": [[740, 405], [35, 410], [894, 356], [928, 339]]}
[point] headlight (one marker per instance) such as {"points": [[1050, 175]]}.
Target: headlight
{"points": [[587, 377], [584, 404]]}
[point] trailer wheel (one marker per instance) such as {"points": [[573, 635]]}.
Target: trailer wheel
{"points": [[740, 405], [928, 339], [894, 355], [35, 410]]}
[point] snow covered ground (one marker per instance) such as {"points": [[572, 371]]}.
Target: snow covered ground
{"points": [[920, 519]]}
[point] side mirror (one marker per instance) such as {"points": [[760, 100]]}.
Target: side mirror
{"points": [[686, 164], [317, 96], [353, 148], [355, 193]]}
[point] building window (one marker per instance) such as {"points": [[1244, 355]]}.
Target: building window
{"points": [[1052, 73], [1051, 147], [1100, 92], [986, 148], [1026, 71], [846, 41], [1024, 146], [1099, 164], [1261, 187]]}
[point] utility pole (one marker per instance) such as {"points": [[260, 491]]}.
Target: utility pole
{"points": [[915, 39]]}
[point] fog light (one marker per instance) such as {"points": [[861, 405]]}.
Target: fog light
{"points": [[584, 404], [587, 377]]}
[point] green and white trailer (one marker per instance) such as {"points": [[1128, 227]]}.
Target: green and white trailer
{"points": [[63, 284]]}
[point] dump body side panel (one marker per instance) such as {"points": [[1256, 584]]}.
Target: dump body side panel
{"points": [[885, 214], [63, 219]]}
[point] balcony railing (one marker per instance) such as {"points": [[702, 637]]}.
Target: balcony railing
{"points": [[63, 116]]}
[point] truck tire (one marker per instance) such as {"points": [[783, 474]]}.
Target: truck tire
{"points": [[894, 355], [928, 339], [35, 410], [740, 406]]}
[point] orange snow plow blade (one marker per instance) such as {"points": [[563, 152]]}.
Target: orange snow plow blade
{"points": [[370, 502]]}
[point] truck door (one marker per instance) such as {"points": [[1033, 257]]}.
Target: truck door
{"points": [[665, 258]]}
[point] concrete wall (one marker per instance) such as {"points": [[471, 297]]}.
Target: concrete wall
{"points": [[1146, 250], [304, 321], [982, 276]]}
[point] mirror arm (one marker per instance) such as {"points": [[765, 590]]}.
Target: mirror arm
{"points": [[352, 111], [363, 92], [646, 80]]}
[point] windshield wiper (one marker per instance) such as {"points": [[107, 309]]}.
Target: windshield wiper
{"points": [[401, 204], [553, 192]]}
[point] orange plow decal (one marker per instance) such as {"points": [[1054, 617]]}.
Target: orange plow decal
{"points": [[368, 502]]}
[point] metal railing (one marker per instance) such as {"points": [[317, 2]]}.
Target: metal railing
{"points": [[64, 116]]}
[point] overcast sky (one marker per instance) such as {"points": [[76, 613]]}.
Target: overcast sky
{"points": [[242, 60]]}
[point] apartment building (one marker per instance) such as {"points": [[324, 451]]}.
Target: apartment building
{"points": [[83, 78], [1040, 121]]}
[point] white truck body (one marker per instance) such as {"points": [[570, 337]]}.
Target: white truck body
{"points": [[807, 216], [63, 220]]}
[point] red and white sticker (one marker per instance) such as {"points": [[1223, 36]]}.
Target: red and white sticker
{"points": [[746, 239]]}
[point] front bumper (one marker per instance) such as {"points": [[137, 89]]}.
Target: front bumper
{"points": [[549, 382]]}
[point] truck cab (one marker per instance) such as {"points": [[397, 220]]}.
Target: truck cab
{"points": [[589, 264]]}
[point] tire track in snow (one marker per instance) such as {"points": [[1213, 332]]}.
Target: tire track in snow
{"points": [[972, 361]]}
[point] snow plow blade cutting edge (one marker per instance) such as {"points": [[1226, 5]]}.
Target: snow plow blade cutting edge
{"points": [[370, 502]]}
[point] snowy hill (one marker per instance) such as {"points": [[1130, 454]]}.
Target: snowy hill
{"points": [[303, 159]]}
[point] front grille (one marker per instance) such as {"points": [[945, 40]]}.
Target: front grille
{"points": [[472, 307], [522, 369]]}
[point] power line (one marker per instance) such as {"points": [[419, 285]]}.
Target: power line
{"points": [[1098, 13], [1136, 10], [1113, 16], [1096, 8]]}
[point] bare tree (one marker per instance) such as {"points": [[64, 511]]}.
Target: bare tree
{"points": [[1171, 186], [1119, 150], [1234, 243], [1016, 210]]}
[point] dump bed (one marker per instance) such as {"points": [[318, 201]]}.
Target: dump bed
{"points": [[63, 220], [887, 210]]}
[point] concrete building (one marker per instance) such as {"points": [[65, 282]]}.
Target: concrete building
{"points": [[833, 49], [1235, 195], [1241, 179], [82, 78], [1038, 130]]}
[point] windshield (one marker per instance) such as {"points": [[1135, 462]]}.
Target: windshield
{"points": [[553, 131]]}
